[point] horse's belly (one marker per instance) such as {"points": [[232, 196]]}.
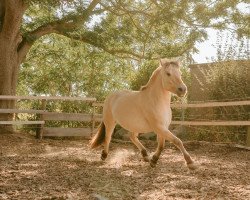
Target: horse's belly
{"points": [[134, 124], [130, 118]]}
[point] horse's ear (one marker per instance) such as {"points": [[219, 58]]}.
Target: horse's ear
{"points": [[177, 60], [164, 62], [161, 62]]}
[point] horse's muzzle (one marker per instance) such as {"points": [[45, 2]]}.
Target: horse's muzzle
{"points": [[181, 91]]}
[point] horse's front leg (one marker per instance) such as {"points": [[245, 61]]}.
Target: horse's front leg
{"points": [[135, 140], [164, 132], [160, 147]]}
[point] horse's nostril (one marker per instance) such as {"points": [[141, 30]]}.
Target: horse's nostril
{"points": [[180, 89]]}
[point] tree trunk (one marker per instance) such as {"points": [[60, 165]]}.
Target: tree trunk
{"points": [[14, 48], [9, 67], [11, 12]]}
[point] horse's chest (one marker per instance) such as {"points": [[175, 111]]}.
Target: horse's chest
{"points": [[163, 115]]}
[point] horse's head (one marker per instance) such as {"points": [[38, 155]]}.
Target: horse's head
{"points": [[171, 77]]}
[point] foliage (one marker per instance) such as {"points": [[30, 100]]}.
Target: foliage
{"points": [[226, 80], [229, 74], [58, 66], [112, 32], [143, 74], [135, 29], [231, 47]]}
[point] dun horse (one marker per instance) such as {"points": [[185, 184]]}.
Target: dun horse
{"points": [[145, 111]]}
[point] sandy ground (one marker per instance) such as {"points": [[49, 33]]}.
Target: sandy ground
{"points": [[67, 169]]}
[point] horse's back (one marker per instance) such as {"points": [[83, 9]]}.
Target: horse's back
{"points": [[124, 98]]}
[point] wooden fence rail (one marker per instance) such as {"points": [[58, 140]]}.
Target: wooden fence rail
{"points": [[199, 105], [44, 116], [6, 97], [205, 105], [208, 123], [211, 123], [94, 118]]}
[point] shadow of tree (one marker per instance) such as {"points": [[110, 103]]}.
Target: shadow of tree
{"points": [[68, 170]]}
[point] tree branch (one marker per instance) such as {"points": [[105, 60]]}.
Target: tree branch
{"points": [[69, 23], [23, 49], [121, 10], [119, 52]]}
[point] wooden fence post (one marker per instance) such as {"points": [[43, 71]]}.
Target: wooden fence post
{"points": [[39, 132], [248, 136], [93, 120], [183, 131]]}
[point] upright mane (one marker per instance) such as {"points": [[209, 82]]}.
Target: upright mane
{"points": [[152, 79]]}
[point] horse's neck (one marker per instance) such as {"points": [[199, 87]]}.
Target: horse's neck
{"points": [[158, 94]]}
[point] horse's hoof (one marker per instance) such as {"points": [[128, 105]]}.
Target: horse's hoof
{"points": [[153, 161], [152, 164], [104, 155], [146, 159], [103, 158], [192, 166]]}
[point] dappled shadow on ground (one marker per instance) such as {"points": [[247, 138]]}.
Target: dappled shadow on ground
{"points": [[67, 169]]}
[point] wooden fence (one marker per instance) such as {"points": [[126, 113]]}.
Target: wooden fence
{"points": [[93, 118], [210, 122], [44, 116], [206, 105]]}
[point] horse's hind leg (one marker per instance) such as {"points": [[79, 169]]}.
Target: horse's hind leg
{"points": [[135, 140], [109, 128], [160, 147]]}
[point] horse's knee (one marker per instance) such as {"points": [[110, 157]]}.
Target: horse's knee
{"points": [[133, 136], [177, 142]]}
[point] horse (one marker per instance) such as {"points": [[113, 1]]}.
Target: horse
{"points": [[143, 111]]}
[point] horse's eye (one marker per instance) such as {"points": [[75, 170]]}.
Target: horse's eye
{"points": [[168, 74]]}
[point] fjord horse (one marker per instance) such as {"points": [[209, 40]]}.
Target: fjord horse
{"points": [[147, 110]]}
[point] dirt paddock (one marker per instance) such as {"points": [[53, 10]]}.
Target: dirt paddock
{"points": [[67, 169]]}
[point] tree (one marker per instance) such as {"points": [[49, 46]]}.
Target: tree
{"points": [[128, 29], [83, 72]]}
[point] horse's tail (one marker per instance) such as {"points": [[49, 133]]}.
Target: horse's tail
{"points": [[99, 137]]}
